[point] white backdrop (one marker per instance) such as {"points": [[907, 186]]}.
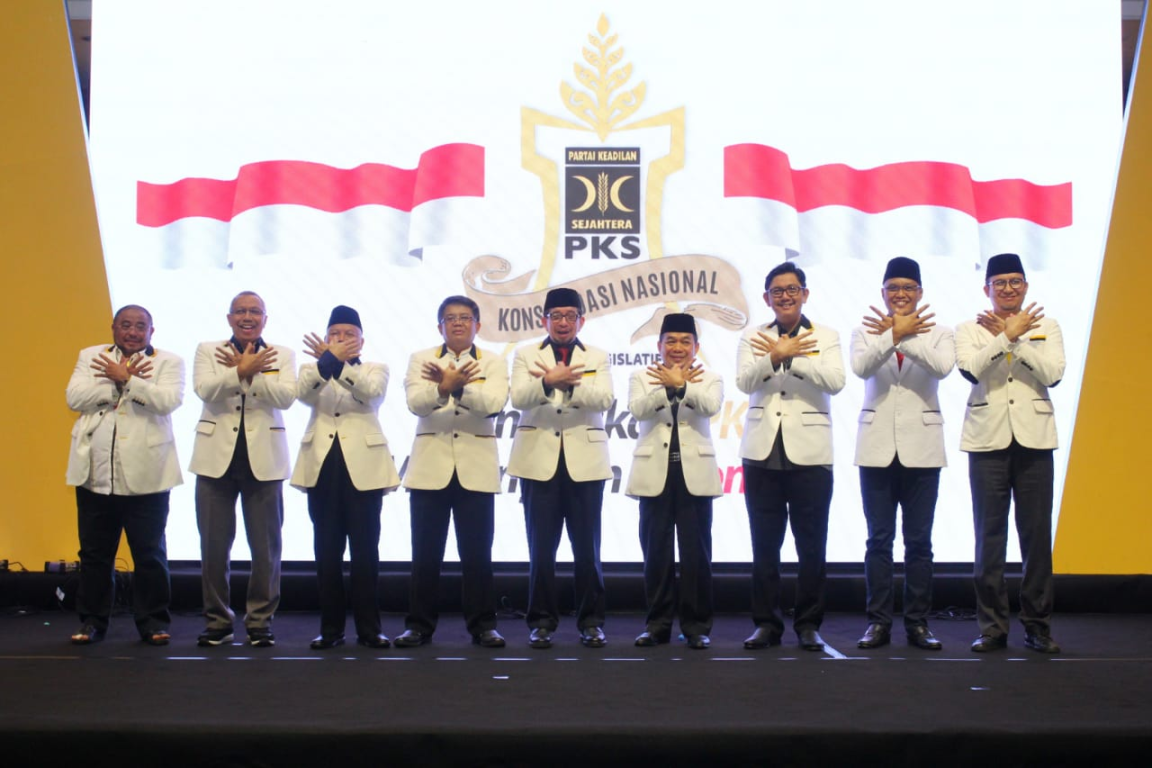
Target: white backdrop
{"points": [[1005, 90]]}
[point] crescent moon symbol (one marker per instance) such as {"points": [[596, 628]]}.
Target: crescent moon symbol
{"points": [[591, 189], [615, 194]]}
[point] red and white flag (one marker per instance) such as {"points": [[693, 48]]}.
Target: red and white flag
{"points": [[292, 205], [909, 208]]}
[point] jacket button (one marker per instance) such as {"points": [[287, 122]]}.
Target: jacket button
{"points": [[235, 429], [457, 413], [337, 413], [237, 407], [778, 413], [783, 394], [331, 436], [1011, 402], [557, 434], [455, 434], [665, 445], [668, 424], [1009, 379], [560, 410]]}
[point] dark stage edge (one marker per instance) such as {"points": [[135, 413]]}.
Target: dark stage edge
{"points": [[453, 703], [845, 591]]}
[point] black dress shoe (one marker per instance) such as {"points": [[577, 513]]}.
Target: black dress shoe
{"points": [[88, 634], [810, 640], [986, 643], [540, 638], [410, 638], [378, 640], [324, 642], [489, 638], [648, 639], [763, 637], [875, 636], [593, 637], [1040, 643], [922, 637], [697, 642]]}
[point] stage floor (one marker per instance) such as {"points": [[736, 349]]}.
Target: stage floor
{"points": [[452, 703]]}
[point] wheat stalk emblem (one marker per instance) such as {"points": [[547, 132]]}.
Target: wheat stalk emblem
{"points": [[601, 107]]}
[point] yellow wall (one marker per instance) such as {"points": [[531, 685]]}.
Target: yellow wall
{"points": [[56, 296], [1106, 513]]}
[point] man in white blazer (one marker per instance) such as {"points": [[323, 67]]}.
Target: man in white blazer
{"points": [[1012, 354], [675, 477], [241, 450], [456, 390], [790, 368], [123, 465], [902, 355], [345, 467], [560, 453]]}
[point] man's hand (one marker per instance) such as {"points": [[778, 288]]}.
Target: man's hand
{"points": [[451, 379], [247, 363], [675, 376], [560, 376], [905, 326], [316, 346], [877, 325], [783, 348], [346, 350], [1014, 326], [120, 372]]}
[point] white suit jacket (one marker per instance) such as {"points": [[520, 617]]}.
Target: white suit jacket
{"points": [[795, 399], [901, 413], [574, 418], [345, 408], [1010, 383], [456, 434], [142, 411], [267, 396], [648, 402]]}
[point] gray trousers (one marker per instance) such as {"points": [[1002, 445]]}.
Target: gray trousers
{"points": [[262, 503]]}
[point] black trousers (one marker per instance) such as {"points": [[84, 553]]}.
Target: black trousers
{"points": [[343, 515], [473, 514], [677, 516], [997, 478], [549, 507], [774, 498], [914, 491], [100, 520]]}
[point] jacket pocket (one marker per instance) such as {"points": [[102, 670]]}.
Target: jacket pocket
{"points": [[1042, 406], [307, 439], [706, 450], [205, 427], [933, 418], [597, 435], [375, 438], [642, 450], [815, 419], [755, 413], [867, 417]]}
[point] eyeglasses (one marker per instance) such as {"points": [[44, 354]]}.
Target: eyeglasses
{"points": [[910, 289], [452, 319], [254, 311], [570, 317], [1015, 283], [791, 290]]}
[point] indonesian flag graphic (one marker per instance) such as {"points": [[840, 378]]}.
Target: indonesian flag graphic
{"points": [[292, 205], [909, 208]]}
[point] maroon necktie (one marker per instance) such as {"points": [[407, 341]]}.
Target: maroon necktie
{"points": [[899, 361], [564, 355]]}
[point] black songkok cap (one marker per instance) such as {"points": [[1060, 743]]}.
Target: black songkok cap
{"points": [[1003, 264], [563, 297], [342, 315], [902, 266], [679, 322]]}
